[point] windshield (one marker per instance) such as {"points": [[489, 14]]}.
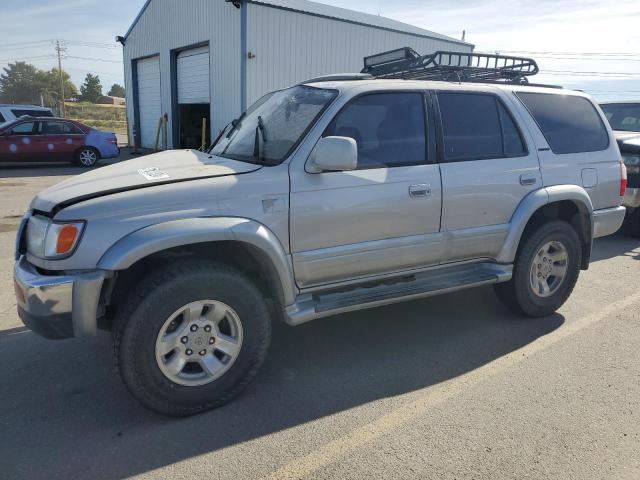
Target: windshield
{"points": [[623, 116], [272, 127]]}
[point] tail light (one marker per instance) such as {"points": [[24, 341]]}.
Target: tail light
{"points": [[623, 179], [113, 139]]}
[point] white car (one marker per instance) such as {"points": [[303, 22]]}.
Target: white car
{"points": [[10, 112]]}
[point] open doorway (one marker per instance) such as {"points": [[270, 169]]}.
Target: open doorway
{"points": [[191, 117]]}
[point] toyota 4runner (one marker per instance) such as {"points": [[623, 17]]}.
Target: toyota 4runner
{"points": [[334, 195]]}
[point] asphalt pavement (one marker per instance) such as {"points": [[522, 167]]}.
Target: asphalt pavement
{"points": [[450, 387]]}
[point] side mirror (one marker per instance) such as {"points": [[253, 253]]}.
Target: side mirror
{"points": [[334, 154]]}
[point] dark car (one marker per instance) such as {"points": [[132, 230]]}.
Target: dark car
{"points": [[47, 139], [624, 118]]}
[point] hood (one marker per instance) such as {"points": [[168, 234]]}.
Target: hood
{"points": [[170, 166], [628, 142]]}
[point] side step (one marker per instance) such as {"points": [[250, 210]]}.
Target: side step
{"points": [[443, 279]]}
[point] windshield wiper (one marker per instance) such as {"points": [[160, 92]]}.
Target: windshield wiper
{"points": [[257, 157], [262, 130]]}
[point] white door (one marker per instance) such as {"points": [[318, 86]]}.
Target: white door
{"points": [[149, 103], [193, 76]]}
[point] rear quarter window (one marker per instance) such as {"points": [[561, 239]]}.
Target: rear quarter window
{"points": [[570, 124]]}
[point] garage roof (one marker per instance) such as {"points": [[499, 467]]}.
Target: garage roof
{"points": [[338, 13], [344, 14]]}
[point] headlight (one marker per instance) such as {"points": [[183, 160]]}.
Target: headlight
{"points": [[49, 239], [632, 162]]}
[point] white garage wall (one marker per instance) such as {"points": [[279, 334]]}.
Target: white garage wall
{"points": [[291, 47], [167, 25], [148, 70], [193, 76]]}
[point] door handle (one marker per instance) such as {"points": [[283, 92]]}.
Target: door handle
{"points": [[420, 190], [527, 180]]}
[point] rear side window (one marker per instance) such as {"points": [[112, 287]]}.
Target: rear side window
{"points": [[60, 128], [569, 124], [477, 127], [2, 120], [34, 113], [389, 129]]}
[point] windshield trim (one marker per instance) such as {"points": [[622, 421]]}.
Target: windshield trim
{"points": [[271, 163]]}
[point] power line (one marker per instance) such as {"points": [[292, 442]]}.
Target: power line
{"points": [[530, 52], [93, 59], [9, 60]]}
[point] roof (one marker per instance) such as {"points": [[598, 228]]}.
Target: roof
{"points": [[338, 13], [353, 16]]}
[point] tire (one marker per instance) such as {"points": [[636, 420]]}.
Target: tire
{"points": [[161, 294], [634, 223], [87, 157], [519, 293]]}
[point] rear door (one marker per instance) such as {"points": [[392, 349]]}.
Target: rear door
{"points": [[488, 164], [383, 217], [59, 140]]}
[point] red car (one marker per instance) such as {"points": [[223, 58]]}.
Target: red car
{"points": [[47, 139]]}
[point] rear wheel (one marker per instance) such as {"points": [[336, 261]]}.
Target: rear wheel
{"points": [[191, 337], [87, 156], [545, 271]]}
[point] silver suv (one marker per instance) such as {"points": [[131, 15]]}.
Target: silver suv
{"points": [[322, 198]]}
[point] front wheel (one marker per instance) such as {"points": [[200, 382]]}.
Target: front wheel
{"points": [[545, 271], [191, 337]]}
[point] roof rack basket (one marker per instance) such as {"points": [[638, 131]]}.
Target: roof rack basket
{"points": [[405, 63]]}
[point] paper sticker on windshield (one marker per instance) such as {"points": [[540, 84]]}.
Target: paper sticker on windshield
{"points": [[153, 173]]}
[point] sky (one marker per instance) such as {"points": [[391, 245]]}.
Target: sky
{"points": [[591, 45]]}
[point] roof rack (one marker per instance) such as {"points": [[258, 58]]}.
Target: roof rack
{"points": [[406, 63]]}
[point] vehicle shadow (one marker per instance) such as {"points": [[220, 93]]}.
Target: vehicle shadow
{"points": [[64, 410], [615, 245]]}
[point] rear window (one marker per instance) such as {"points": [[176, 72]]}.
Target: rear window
{"points": [[623, 116], [60, 128], [570, 124], [477, 127], [34, 113]]}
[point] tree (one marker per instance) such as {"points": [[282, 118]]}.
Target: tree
{"points": [[24, 83], [91, 89], [48, 83], [18, 84], [116, 90]]}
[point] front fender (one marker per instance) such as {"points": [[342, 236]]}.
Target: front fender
{"points": [[162, 236], [534, 201]]}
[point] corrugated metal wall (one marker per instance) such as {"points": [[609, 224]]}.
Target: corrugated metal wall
{"points": [[291, 47], [168, 25]]}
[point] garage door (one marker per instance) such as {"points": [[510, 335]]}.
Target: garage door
{"points": [[193, 76], [149, 104]]}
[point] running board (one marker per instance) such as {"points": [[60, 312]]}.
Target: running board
{"points": [[309, 306]]}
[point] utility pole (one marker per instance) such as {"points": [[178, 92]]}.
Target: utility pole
{"points": [[59, 50]]}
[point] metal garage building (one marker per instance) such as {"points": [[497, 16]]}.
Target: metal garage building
{"points": [[194, 59]]}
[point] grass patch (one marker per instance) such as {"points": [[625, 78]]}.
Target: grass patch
{"points": [[103, 117]]}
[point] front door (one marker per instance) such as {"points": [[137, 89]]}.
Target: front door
{"points": [[18, 144], [383, 217], [486, 172]]}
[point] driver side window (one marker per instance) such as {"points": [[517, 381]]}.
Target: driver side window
{"points": [[389, 129]]}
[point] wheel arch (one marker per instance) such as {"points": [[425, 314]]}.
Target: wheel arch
{"points": [[229, 239], [567, 202]]}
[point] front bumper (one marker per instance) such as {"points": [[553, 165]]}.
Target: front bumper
{"points": [[607, 221], [632, 198], [58, 306]]}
